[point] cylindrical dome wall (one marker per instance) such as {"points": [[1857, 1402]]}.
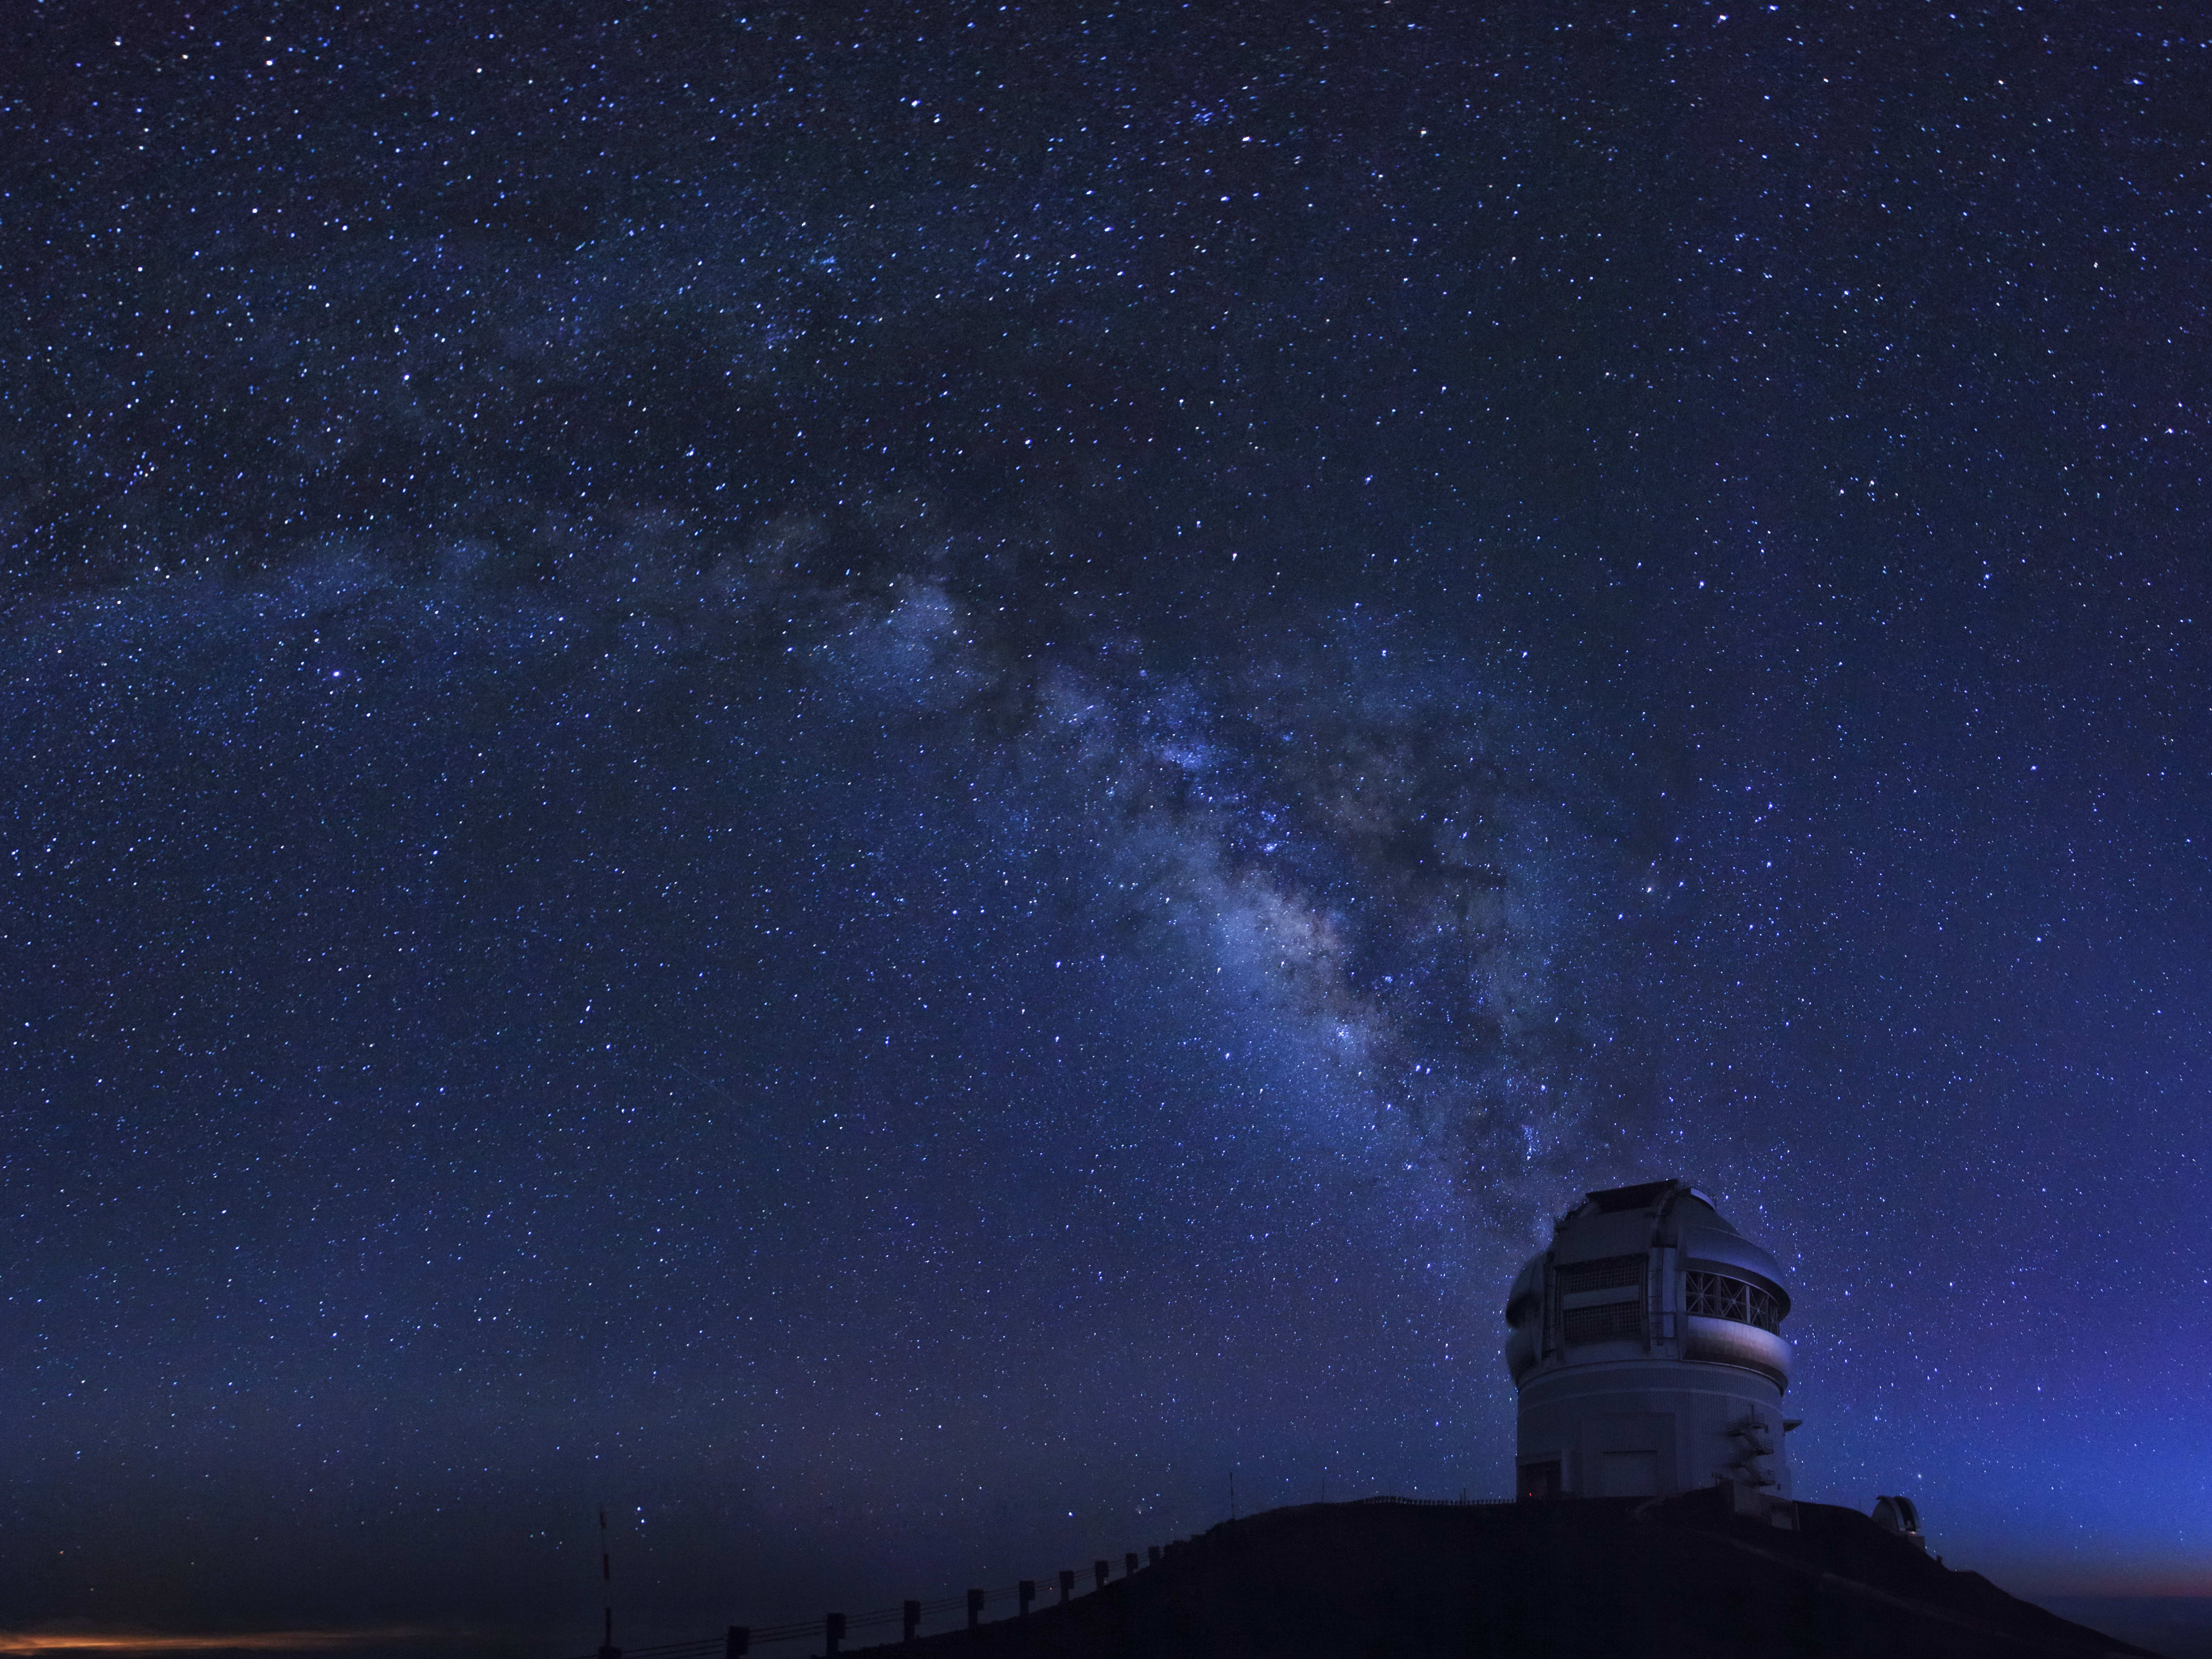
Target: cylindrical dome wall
{"points": [[1647, 1346]]}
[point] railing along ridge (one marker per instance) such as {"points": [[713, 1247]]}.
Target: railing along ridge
{"points": [[741, 1638]]}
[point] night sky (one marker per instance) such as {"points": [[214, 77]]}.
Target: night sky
{"points": [[884, 782]]}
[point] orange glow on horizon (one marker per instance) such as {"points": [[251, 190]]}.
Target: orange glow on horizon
{"points": [[136, 1641]]}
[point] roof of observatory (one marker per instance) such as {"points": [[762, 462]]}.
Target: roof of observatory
{"points": [[1651, 1198], [1622, 1220], [1642, 1197]]}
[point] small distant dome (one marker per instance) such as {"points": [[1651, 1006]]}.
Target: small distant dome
{"points": [[1647, 1346], [1899, 1516]]}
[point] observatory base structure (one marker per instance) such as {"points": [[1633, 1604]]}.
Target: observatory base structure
{"points": [[1646, 1344]]}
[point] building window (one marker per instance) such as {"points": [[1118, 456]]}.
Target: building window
{"points": [[1609, 1321], [1716, 1296], [1608, 1273]]}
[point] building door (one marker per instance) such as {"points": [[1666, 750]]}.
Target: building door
{"points": [[1539, 1481], [1628, 1474], [1626, 1455]]}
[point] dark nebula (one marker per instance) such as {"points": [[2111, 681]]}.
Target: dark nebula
{"points": [[882, 780]]}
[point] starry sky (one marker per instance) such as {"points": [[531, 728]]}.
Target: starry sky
{"points": [[885, 781]]}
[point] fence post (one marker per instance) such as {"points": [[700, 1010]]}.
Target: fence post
{"points": [[1098, 1572], [974, 1608], [833, 1632], [738, 1643], [1067, 1584], [1129, 1565], [909, 1620], [1153, 1550], [1026, 1590]]}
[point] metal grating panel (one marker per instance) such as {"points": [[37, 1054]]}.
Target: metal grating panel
{"points": [[1609, 1321], [1609, 1272]]}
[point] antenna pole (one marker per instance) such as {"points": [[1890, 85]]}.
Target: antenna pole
{"points": [[607, 1647]]}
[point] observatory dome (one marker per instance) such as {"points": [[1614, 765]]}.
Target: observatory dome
{"points": [[1647, 1346]]}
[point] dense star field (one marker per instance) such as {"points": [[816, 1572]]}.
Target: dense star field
{"points": [[884, 780]]}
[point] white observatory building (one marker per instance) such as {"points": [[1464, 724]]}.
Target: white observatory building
{"points": [[1647, 1346]]}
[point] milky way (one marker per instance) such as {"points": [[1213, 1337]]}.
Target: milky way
{"points": [[884, 783]]}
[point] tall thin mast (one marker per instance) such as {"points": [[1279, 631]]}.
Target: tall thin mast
{"points": [[607, 1647]]}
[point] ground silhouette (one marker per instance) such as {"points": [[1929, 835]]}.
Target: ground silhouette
{"points": [[1682, 1576]]}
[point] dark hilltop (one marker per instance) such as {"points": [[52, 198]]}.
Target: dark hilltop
{"points": [[1389, 1579]]}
